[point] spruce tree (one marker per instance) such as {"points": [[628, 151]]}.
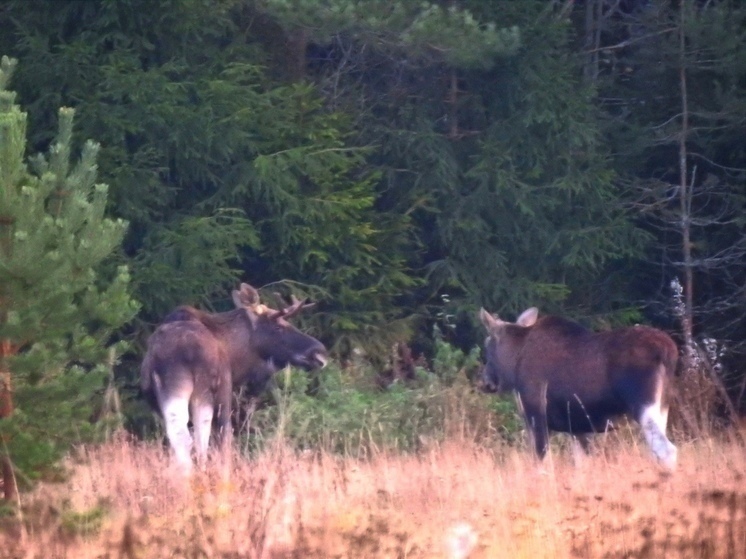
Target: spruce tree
{"points": [[486, 138], [58, 304]]}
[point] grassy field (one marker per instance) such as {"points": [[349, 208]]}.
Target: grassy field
{"points": [[454, 500]]}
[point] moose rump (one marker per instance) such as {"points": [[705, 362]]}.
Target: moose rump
{"points": [[183, 375], [572, 380], [194, 359]]}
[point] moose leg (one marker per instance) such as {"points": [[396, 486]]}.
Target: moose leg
{"points": [[536, 423], [652, 415], [664, 417], [202, 412], [653, 423], [176, 416], [533, 403], [224, 401]]}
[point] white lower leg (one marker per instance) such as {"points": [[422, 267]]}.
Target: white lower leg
{"points": [[664, 418], [653, 422], [176, 416], [202, 421]]}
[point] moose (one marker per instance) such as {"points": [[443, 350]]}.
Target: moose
{"points": [[569, 379], [194, 359]]}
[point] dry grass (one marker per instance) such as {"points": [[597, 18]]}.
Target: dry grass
{"points": [[439, 503]]}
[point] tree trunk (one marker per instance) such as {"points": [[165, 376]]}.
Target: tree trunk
{"points": [[686, 187], [452, 101], [297, 44], [592, 45], [7, 477], [10, 488]]}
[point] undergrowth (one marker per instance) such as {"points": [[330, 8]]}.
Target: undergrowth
{"points": [[342, 410]]}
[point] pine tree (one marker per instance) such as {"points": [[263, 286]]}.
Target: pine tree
{"points": [[58, 304]]}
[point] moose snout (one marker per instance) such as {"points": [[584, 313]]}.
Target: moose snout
{"points": [[319, 358], [485, 383], [315, 357], [487, 386]]}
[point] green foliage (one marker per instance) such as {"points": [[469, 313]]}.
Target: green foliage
{"points": [[173, 123], [342, 411], [49, 417], [538, 196], [60, 302], [186, 261], [54, 234], [451, 150], [421, 29], [222, 173], [84, 523], [422, 149], [316, 210], [450, 363], [498, 160]]}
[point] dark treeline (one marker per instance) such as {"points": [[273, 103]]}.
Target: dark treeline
{"points": [[404, 163]]}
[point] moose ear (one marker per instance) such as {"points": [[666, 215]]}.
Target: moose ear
{"points": [[528, 317], [251, 315], [489, 321], [245, 296]]}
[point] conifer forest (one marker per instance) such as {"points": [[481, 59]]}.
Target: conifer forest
{"points": [[399, 163]]}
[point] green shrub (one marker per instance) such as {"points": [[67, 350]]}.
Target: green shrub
{"points": [[345, 411], [85, 523]]}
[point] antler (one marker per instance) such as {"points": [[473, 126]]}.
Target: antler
{"points": [[296, 307]]}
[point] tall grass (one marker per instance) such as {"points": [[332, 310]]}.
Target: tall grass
{"points": [[453, 499], [427, 468]]}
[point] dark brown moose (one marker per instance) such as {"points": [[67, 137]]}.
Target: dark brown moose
{"points": [[569, 379], [194, 359]]}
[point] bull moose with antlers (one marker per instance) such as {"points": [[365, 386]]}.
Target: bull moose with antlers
{"points": [[194, 359]]}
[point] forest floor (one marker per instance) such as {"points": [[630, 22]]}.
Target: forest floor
{"points": [[455, 500]]}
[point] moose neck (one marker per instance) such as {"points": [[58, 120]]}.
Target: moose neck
{"points": [[234, 329]]}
